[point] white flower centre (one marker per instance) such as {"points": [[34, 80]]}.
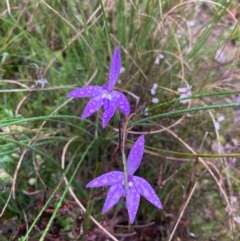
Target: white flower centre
{"points": [[130, 184], [106, 95]]}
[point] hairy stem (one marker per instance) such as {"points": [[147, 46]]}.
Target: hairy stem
{"points": [[124, 156], [124, 135]]}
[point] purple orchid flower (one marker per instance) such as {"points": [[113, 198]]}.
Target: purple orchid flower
{"points": [[104, 95], [136, 185], [42, 82]]}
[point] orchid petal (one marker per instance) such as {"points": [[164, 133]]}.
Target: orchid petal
{"points": [[86, 91], [182, 89], [115, 68], [107, 179], [135, 155], [121, 102], [145, 189], [109, 110], [133, 199], [42, 82], [114, 194], [92, 106]]}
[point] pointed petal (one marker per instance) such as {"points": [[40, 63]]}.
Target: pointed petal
{"points": [[115, 68], [107, 179], [145, 189], [114, 194], [135, 155], [133, 199], [109, 110], [87, 91], [121, 102], [92, 106]]}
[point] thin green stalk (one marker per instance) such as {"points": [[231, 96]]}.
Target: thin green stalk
{"points": [[197, 96], [184, 111], [45, 118], [190, 155], [122, 22], [106, 28], [52, 117]]}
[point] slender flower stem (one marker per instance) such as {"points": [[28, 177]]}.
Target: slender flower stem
{"points": [[124, 135], [122, 140], [125, 170], [123, 154]]}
